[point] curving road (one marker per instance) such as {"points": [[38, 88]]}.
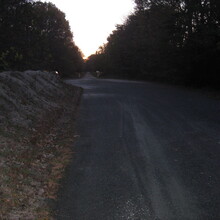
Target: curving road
{"points": [[145, 152]]}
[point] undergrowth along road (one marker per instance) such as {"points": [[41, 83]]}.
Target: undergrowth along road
{"points": [[33, 155]]}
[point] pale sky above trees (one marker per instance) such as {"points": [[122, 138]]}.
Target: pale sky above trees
{"points": [[92, 21]]}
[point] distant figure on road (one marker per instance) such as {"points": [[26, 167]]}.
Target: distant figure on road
{"points": [[98, 73]]}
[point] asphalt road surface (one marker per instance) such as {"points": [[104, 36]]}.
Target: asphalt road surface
{"points": [[146, 152]]}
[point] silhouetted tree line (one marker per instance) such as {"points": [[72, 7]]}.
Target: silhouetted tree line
{"points": [[166, 40], [96, 61], [36, 35]]}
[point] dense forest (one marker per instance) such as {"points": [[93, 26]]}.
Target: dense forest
{"points": [[175, 41], [36, 35]]}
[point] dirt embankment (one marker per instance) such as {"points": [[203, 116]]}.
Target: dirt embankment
{"points": [[37, 114]]}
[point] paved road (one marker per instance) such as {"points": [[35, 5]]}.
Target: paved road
{"points": [[146, 152]]}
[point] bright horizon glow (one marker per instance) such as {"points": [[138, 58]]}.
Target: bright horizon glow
{"points": [[92, 21]]}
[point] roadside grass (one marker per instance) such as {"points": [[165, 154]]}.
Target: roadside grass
{"points": [[32, 162]]}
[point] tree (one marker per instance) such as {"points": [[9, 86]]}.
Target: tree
{"points": [[36, 35], [168, 40]]}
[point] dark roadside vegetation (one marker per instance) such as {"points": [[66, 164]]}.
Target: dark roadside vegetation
{"points": [[174, 41], [36, 35]]}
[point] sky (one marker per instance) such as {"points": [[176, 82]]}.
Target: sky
{"points": [[92, 21]]}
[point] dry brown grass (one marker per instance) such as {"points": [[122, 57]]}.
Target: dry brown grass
{"points": [[32, 162]]}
